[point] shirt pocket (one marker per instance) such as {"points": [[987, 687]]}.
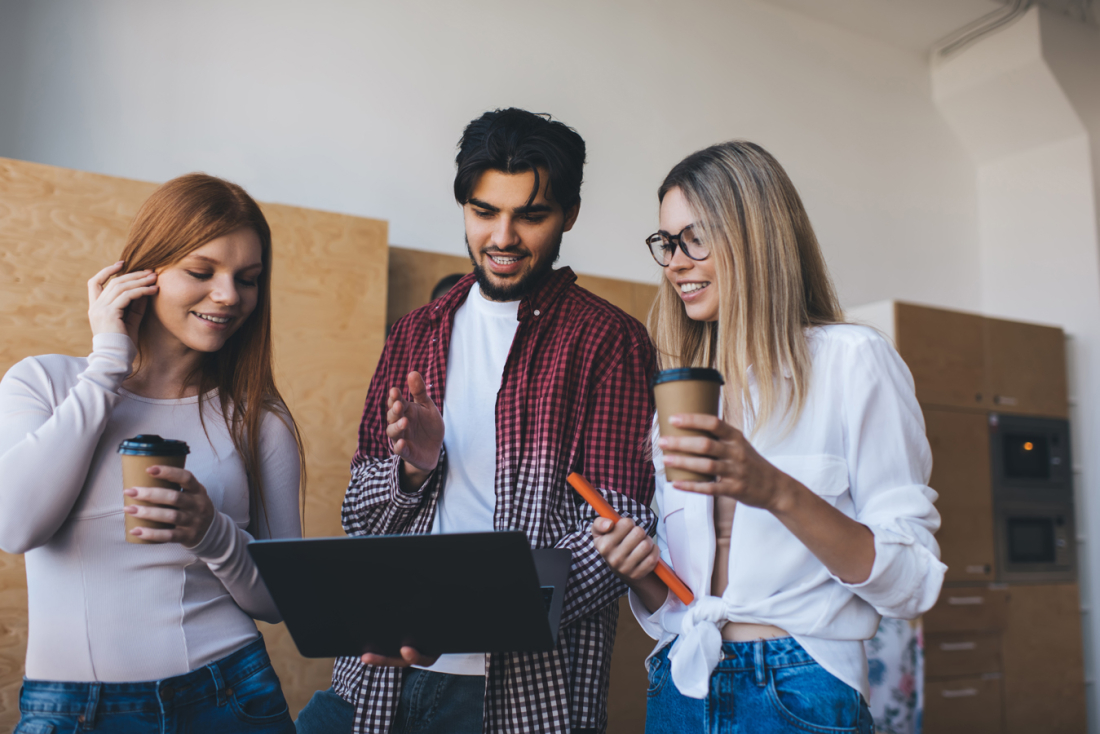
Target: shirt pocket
{"points": [[825, 475]]}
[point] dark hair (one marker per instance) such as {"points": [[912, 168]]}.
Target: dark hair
{"points": [[445, 284], [515, 141]]}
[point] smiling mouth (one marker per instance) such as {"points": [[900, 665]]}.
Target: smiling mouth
{"points": [[688, 288], [500, 259], [213, 319]]}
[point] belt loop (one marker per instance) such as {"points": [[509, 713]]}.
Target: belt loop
{"points": [[758, 663], [219, 682], [93, 704]]}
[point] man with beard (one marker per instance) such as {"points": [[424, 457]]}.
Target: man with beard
{"points": [[563, 376]]}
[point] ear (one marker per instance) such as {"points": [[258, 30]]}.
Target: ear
{"points": [[571, 217]]}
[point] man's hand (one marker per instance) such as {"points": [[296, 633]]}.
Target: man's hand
{"points": [[415, 430], [409, 656]]}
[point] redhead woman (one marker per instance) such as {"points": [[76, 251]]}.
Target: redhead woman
{"points": [[819, 518], [158, 635]]}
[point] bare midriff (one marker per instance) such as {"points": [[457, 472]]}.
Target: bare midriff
{"points": [[724, 508]]}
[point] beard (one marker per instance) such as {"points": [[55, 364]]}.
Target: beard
{"points": [[524, 285]]}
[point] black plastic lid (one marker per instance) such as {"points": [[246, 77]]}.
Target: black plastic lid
{"points": [[688, 373], [148, 444]]}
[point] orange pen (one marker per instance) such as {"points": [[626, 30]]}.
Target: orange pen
{"points": [[599, 504]]}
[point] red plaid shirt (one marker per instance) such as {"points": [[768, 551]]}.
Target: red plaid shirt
{"points": [[574, 397]]}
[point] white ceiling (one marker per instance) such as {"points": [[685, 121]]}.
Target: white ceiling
{"points": [[910, 24]]}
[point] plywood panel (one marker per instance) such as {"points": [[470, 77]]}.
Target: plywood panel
{"points": [[412, 276], [329, 327], [58, 227], [634, 298]]}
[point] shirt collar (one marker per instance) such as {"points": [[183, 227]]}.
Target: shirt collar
{"points": [[533, 304]]}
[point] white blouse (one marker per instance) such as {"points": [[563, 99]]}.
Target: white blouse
{"points": [[860, 444], [102, 609]]}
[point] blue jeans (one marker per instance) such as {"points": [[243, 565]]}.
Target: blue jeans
{"points": [[239, 693], [431, 703], [759, 687]]}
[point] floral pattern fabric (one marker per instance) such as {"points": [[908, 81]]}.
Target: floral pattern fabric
{"points": [[895, 669]]}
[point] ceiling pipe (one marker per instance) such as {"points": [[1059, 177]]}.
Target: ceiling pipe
{"points": [[971, 32]]}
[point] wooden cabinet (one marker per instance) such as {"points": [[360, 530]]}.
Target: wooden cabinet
{"points": [[1026, 368], [1044, 676], [945, 351], [963, 653], [998, 657], [968, 609], [964, 690], [963, 360], [965, 706], [961, 476]]}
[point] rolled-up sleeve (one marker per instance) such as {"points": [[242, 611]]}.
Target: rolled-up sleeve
{"points": [[890, 463]]}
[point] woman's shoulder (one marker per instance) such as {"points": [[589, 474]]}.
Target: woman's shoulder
{"points": [[849, 341], [47, 370]]}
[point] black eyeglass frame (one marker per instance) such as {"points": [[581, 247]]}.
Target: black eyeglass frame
{"points": [[676, 240]]}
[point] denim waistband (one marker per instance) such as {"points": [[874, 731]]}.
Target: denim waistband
{"points": [[215, 680], [759, 655]]}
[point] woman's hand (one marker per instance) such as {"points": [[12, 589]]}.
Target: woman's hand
{"points": [[845, 546], [739, 471], [633, 556], [188, 508], [627, 548], [116, 307]]}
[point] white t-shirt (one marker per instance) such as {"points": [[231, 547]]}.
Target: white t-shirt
{"points": [[480, 341]]}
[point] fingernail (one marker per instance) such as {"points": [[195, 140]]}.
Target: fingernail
{"points": [[132, 509], [675, 420], [154, 470], [130, 492]]}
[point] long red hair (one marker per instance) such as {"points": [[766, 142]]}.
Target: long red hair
{"points": [[181, 216]]}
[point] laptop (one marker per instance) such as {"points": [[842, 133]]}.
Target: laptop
{"points": [[453, 593]]}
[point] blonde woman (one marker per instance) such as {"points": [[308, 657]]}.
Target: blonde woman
{"points": [[819, 518], [156, 636]]}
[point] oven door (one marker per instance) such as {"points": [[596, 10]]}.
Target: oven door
{"points": [[1036, 543]]}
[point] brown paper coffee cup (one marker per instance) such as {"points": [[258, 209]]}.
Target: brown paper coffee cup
{"points": [[138, 454], [685, 390]]}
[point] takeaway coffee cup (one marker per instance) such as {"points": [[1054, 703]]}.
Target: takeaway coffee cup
{"points": [[138, 454], [685, 390]]}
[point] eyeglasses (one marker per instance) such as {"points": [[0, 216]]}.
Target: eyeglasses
{"points": [[662, 245]]}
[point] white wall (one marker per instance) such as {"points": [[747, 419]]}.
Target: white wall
{"points": [[357, 107], [1037, 213], [13, 19]]}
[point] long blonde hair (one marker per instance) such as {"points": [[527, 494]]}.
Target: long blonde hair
{"points": [[178, 218], [772, 280]]}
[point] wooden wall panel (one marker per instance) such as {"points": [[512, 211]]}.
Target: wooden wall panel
{"points": [[329, 324], [58, 227], [412, 276]]}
